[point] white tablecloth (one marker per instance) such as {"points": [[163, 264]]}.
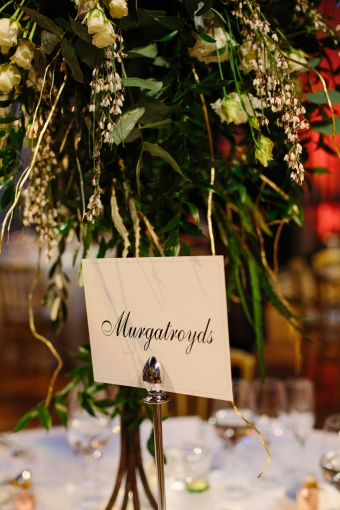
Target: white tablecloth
{"points": [[57, 471]]}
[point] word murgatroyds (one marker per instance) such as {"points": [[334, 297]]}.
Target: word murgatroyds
{"points": [[168, 333]]}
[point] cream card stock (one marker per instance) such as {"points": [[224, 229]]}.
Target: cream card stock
{"points": [[172, 308]]}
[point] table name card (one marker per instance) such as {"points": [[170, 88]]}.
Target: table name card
{"points": [[170, 308], [168, 333]]}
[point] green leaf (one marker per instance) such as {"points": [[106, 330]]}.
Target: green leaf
{"points": [[171, 22], [150, 84], [157, 125], [257, 311], [61, 409], [43, 21], [40, 61], [218, 51], [192, 229], [63, 23], [192, 6], [133, 13], [87, 53], [7, 197], [44, 417], [170, 225], [207, 5], [168, 37], [149, 51], [320, 98], [97, 387], [155, 110], [206, 37], [86, 402], [8, 120], [156, 150], [70, 56], [194, 212], [107, 402], [25, 420], [314, 62], [80, 30], [317, 171], [185, 248], [172, 240], [49, 41], [326, 126], [125, 124]]}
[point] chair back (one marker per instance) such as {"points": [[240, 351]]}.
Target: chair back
{"points": [[186, 405]]}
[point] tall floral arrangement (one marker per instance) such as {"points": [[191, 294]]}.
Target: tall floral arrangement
{"points": [[142, 119]]}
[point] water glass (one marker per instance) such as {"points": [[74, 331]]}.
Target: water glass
{"points": [[300, 407], [188, 465], [270, 406]]}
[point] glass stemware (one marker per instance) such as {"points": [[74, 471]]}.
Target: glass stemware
{"points": [[89, 436], [300, 407], [270, 405], [232, 429]]}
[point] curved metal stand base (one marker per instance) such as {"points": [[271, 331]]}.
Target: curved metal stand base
{"points": [[130, 463]]}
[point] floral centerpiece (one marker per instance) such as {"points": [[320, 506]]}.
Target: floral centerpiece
{"points": [[143, 119]]}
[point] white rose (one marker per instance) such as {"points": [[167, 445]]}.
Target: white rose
{"points": [[264, 150], [9, 77], [118, 8], [84, 6], [9, 32], [294, 67], [202, 49], [24, 54], [95, 20], [249, 54], [230, 108], [104, 38]]}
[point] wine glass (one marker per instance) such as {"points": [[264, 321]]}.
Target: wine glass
{"points": [[270, 405], [330, 461], [233, 431], [88, 435], [300, 407]]}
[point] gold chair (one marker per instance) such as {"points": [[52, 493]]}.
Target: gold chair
{"points": [[184, 405], [17, 341]]}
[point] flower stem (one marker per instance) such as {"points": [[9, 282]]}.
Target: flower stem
{"points": [[32, 31], [25, 33], [14, 17], [220, 67], [20, 15], [6, 5]]}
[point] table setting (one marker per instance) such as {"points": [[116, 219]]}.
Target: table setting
{"points": [[205, 467]]}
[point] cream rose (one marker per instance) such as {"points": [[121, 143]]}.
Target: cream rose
{"points": [[95, 21], [230, 108], [84, 6], [264, 151], [9, 77], [203, 49], [24, 54], [249, 55], [118, 8], [9, 32], [294, 67], [104, 38]]}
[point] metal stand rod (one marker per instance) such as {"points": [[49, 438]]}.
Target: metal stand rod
{"points": [[153, 382], [159, 456]]}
